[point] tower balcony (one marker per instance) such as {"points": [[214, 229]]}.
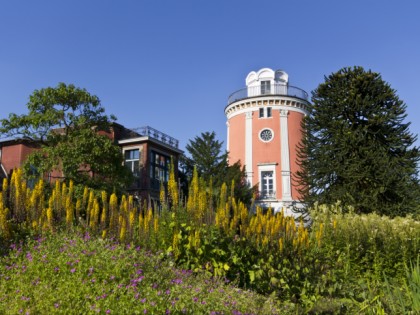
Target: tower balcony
{"points": [[270, 90], [266, 195]]}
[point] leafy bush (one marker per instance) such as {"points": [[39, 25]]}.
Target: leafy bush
{"points": [[339, 264]]}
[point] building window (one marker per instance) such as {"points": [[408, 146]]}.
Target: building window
{"points": [[265, 87], [265, 112], [132, 161], [267, 184], [33, 177], [266, 135], [159, 167]]}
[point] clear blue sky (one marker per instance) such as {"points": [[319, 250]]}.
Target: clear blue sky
{"points": [[172, 64]]}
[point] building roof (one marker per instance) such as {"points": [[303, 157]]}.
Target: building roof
{"points": [[148, 133]]}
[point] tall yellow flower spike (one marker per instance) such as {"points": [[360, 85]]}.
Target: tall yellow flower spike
{"points": [[173, 187]]}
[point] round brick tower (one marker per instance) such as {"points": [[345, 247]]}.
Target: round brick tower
{"points": [[263, 131]]}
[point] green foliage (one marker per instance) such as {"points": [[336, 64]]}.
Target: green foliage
{"points": [[66, 122], [357, 147], [392, 296], [73, 274], [368, 261], [344, 263], [207, 157], [368, 243], [64, 106]]}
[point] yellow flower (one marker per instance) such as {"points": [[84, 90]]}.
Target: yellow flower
{"points": [[50, 217], [123, 230], [156, 225]]}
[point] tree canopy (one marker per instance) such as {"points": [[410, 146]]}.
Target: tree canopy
{"points": [[210, 161], [66, 122], [206, 155], [357, 147]]}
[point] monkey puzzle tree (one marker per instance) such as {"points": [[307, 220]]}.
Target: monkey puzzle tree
{"points": [[66, 122], [357, 147]]}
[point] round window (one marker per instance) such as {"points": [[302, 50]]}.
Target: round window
{"points": [[266, 135]]}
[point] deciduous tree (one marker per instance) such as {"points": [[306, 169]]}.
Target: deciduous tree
{"points": [[67, 122]]}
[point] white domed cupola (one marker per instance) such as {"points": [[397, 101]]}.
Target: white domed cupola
{"points": [[266, 81], [281, 77]]}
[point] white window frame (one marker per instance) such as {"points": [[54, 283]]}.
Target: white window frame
{"points": [[265, 87], [140, 149], [263, 112], [272, 135], [268, 167]]}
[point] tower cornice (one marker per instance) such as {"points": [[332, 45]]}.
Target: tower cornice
{"points": [[277, 102]]}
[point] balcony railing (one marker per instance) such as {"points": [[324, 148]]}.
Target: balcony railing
{"points": [[156, 134], [263, 195], [275, 89]]}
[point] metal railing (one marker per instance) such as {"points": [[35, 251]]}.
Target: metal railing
{"points": [[275, 89], [262, 195], [158, 135]]}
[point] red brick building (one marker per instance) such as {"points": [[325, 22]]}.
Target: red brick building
{"points": [[147, 153], [13, 153]]}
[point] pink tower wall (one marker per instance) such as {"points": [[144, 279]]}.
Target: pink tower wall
{"points": [[295, 136], [267, 152], [237, 139]]}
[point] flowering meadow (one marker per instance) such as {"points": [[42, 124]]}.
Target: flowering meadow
{"points": [[80, 274], [65, 252]]}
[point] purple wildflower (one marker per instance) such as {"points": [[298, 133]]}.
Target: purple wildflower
{"points": [[177, 281]]}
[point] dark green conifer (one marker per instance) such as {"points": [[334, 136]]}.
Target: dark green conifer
{"points": [[208, 157], [357, 146]]}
